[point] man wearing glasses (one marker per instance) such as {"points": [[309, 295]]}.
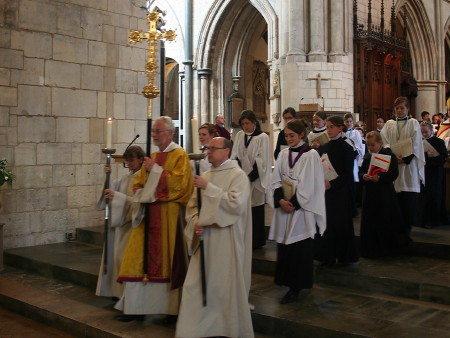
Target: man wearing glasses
{"points": [[164, 186], [225, 222]]}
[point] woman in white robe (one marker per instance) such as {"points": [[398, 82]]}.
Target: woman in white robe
{"points": [[251, 150], [297, 192], [120, 194]]}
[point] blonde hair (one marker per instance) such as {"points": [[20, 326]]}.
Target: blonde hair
{"points": [[375, 135]]}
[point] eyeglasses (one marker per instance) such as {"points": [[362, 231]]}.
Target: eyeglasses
{"points": [[212, 148], [158, 131]]}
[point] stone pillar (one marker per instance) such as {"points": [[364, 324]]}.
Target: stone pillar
{"points": [[205, 113], [427, 92], [317, 32], [284, 30], [181, 112], [337, 37], [296, 32]]}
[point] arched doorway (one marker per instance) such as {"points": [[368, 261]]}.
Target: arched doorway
{"points": [[235, 44]]}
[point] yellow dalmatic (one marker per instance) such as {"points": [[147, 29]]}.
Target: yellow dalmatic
{"points": [[165, 191]]}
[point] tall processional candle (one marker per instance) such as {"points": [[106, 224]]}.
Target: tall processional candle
{"points": [[195, 141], [109, 133]]}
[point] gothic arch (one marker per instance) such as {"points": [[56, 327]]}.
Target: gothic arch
{"points": [[221, 48], [421, 39]]}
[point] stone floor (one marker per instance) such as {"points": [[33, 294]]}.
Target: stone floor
{"points": [[15, 326]]}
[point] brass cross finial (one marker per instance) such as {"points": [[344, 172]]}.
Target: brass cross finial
{"points": [[150, 91]]}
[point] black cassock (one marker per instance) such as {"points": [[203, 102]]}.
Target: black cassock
{"points": [[381, 219], [432, 210], [338, 241]]}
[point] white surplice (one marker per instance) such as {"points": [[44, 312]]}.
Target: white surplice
{"points": [[410, 174], [258, 152], [358, 144], [308, 179], [118, 235], [316, 133], [226, 215]]}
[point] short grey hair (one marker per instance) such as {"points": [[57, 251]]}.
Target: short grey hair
{"points": [[168, 123]]}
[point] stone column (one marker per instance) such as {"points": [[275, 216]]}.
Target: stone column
{"points": [[181, 107], [337, 12], [317, 31], [427, 92], [284, 29], [205, 113], [296, 32]]}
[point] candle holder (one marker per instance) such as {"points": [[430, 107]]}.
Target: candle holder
{"points": [[108, 152]]}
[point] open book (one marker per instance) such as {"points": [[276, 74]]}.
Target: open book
{"points": [[379, 163], [322, 139], [403, 148], [328, 169], [428, 148]]}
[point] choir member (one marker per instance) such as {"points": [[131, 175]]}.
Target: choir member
{"points": [[338, 241], [297, 193], [381, 218], [251, 150]]}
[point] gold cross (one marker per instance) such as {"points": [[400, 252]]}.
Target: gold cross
{"points": [[150, 91]]}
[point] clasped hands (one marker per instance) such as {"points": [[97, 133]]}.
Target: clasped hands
{"points": [[367, 177]]}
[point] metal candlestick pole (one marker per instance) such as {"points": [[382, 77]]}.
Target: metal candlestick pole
{"points": [[108, 152]]}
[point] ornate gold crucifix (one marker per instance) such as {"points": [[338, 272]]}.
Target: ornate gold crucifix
{"points": [[150, 91]]}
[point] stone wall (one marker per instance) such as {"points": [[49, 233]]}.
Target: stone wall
{"points": [[65, 65]]}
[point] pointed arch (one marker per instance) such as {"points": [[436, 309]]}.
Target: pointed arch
{"points": [[421, 40], [222, 47]]}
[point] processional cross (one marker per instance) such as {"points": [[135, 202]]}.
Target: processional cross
{"points": [[154, 34], [318, 80], [150, 91]]}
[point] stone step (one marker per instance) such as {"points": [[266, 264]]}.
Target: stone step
{"points": [[321, 312], [414, 277], [433, 243], [419, 278]]}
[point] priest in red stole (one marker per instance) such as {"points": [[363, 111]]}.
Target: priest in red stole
{"points": [[164, 185]]}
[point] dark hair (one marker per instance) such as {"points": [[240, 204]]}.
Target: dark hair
{"points": [[249, 115], [210, 127], [289, 110], [381, 117], [133, 151], [424, 113], [298, 126], [321, 114], [338, 122], [348, 116], [400, 100], [440, 115]]}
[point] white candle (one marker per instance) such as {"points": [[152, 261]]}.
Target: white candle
{"points": [[195, 141], [109, 133]]}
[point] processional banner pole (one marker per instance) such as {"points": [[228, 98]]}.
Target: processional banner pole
{"points": [[150, 91]]}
